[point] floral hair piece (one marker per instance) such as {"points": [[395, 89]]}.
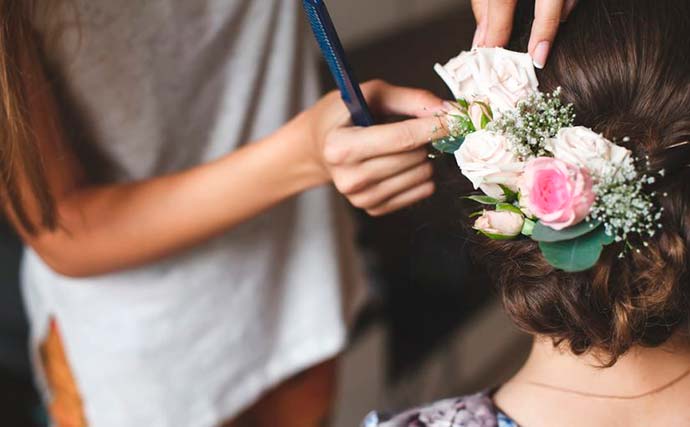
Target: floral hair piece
{"points": [[564, 186]]}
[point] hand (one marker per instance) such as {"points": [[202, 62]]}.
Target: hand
{"points": [[495, 23], [381, 168]]}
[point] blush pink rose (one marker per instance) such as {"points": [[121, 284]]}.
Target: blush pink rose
{"points": [[559, 194]]}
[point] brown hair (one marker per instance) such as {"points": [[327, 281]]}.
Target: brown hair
{"points": [[625, 66], [21, 165]]}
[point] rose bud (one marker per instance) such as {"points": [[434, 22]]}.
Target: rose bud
{"points": [[500, 225]]}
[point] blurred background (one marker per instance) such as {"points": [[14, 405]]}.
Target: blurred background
{"points": [[433, 327]]}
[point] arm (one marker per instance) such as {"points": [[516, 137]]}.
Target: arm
{"points": [[107, 228], [495, 23]]}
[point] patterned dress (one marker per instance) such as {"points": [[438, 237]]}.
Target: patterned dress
{"points": [[477, 410]]}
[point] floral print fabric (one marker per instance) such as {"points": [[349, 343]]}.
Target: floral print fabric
{"points": [[476, 410]]}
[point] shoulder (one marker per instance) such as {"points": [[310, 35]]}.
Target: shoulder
{"points": [[476, 410]]}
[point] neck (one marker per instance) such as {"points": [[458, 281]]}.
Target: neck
{"points": [[639, 371]]}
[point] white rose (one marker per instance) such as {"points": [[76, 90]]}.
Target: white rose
{"points": [[583, 147], [500, 224], [487, 159], [501, 76]]}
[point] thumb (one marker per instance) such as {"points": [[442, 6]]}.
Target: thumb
{"points": [[386, 99]]}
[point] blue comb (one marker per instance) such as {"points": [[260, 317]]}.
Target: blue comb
{"points": [[334, 54]]}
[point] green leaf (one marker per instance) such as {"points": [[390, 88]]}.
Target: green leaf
{"points": [[528, 227], [579, 254], [448, 145], [476, 214], [496, 236], [507, 207], [511, 196], [464, 104], [485, 121], [543, 233], [484, 200]]}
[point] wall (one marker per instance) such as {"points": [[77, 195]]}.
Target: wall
{"points": [[360, 20]]}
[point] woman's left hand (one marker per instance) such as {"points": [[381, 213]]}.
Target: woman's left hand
{"points": [[495, 24]]}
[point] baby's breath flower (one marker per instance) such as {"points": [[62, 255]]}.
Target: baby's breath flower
{"points": [[623, 205], [536, 118]]}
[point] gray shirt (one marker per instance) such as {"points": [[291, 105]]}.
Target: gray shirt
{"points": [[158, 86]]}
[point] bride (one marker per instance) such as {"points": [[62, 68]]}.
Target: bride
{"points": [[610, 322]]}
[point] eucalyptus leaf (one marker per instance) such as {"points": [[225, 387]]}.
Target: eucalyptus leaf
{"points": [[579, 254], [507, 207], [484, 200], [448, 145], [543, 233]]}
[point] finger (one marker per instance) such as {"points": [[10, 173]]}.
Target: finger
{"points": [[403, 200], [378, 193], [380, 168], [358, 177], [547, 18], [390, 100], [500, 16], [353, 145], [480, 8]]}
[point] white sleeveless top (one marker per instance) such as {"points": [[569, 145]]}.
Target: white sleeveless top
{"points": [[159, 86]]}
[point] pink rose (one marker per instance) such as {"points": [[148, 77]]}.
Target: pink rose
{"points": [[500, 224], [558, 193]]}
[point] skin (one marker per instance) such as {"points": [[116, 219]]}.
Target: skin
{"points": [[495, 24], [638, 372], [106, 228]]}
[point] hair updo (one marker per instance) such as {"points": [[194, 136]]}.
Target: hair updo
{"points": [[625, 66]]}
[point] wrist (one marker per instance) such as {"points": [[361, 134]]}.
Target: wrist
{"points": [[299, 156]]}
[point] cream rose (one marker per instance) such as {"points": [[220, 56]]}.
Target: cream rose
{"points": [[501, 76], [487, 160], [585, 148]]}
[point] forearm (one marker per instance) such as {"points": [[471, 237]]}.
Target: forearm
{"points": [[115, 227]]}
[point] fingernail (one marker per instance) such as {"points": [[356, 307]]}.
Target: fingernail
{"points": [[478, 36], [541, 52]]}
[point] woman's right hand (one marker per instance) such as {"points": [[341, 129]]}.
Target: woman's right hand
{"points": [[381, 168]]}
